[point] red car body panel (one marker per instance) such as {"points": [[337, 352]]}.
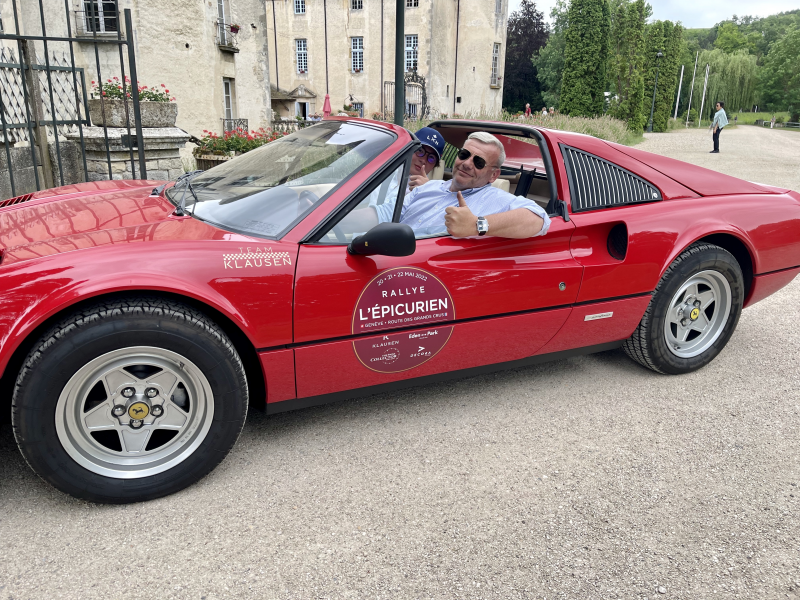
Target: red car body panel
{"points": [[333, 366], [485, 277], [766, 285], [295, 301], [703, 181], [94, 250]]}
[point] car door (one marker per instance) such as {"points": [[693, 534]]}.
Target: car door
{"points": [[454, 304]]}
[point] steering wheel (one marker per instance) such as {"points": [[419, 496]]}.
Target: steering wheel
{"points": [[306, 200]]}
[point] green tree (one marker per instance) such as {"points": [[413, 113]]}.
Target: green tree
{"points": [[526, 35], [730, 39], [549, 62], [780, 75], [732, 79], [665, 37], [627, 63], [585, 58]]}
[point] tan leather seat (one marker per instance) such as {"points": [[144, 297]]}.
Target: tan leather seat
{"points": [[438, 171], [501, 184]]}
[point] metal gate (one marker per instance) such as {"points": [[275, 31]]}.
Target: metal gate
{"points": [[43, 94], [416, 97]]}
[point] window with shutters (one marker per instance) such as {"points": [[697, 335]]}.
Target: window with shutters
{"points": [[299, 7], [301, 51], [597, 183], [99, 16], [412, 44], [495, 80], [357, 54]]}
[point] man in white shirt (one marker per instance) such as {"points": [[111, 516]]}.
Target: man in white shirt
{"points": [[467, 205]]}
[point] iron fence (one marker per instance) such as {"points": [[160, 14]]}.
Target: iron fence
{"points": [[41, 99], [234, 124]]}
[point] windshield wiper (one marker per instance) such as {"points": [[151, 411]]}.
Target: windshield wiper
{"points": [[186, 180]]}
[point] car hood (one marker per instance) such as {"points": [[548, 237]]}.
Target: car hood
{"points": [[89, 215]]}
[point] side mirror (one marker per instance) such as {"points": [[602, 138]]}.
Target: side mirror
{"points": [[386, 239]]}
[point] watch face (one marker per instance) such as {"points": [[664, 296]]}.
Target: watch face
{"points": [[483, 225]]}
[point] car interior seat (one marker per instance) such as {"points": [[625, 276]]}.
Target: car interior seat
{"points": [[502, 184], [438, 171]]}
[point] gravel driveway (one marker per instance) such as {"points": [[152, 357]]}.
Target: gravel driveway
{"points": [[587, 478], [748, 152]]}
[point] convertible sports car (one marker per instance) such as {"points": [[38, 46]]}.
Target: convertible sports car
{"points": [[139, 324]]}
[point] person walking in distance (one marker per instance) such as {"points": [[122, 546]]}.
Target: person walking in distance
{"points": [[720, 121]]}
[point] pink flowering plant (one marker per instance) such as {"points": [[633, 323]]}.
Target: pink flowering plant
{"points": [[237, 140], [113, 88]]}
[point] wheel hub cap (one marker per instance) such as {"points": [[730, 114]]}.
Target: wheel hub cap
{"points": [[698, 314], [134, 412]]}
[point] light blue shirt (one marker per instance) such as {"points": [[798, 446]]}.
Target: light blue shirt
{"points": [[720, 119], [423, 209]]}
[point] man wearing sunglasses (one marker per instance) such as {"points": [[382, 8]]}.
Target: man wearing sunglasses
{"points": [[468, 205]]}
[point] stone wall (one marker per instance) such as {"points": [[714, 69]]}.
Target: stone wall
{"points": [[22, 164], [162, 146]]}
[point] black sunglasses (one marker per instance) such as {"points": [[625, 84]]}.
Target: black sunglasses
{"points": [[432, 158], [478, 161]]}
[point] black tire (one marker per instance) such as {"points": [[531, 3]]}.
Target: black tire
{"points": [[111, 329], [649, 344]]}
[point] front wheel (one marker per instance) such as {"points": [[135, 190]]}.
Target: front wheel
{"points": [[129, 401], [693, 313]]}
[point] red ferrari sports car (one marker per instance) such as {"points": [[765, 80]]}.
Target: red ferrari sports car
{"points": [[138, 324]]}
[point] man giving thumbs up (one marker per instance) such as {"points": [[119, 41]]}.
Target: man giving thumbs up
{"points": [[468, 205]]}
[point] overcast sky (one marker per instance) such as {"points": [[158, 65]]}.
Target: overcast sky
{"points": [[695, 13]]}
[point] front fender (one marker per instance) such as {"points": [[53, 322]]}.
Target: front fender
{"points": [[256, 299]]}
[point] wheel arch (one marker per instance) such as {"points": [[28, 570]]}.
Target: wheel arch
{"points": [[244, 347], [739, 248], [741, 252]]}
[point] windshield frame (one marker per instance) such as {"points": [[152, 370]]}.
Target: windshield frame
{"points": [[290, 226]]}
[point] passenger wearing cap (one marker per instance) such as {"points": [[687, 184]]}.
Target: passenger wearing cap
{"points": [[425, 160]]}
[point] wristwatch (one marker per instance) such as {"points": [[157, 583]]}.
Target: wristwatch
{"points": [[482, 225]]}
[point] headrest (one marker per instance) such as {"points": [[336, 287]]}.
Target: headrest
{"points": [[501, 184], [438, 172]]}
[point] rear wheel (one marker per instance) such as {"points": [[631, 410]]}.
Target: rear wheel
{"points": [[129, 401], [693, 313]]}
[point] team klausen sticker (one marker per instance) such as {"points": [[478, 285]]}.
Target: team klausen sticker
{"points": [[402, 297]]}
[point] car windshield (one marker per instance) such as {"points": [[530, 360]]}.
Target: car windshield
{"points": [[266, 191]]}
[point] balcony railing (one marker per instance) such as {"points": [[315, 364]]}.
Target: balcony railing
{"points": [[226, 37], [89, 23], [234, 124]]}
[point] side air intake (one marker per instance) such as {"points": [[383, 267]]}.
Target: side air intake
{"points": [[596, 183]]}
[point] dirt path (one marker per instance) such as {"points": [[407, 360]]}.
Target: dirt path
{"points": [[753, 153]]}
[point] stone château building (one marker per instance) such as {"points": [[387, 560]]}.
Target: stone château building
{"points": [[250, 59], [346, 48]]}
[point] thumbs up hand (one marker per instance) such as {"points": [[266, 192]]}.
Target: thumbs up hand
{"points": [[459, 220]]}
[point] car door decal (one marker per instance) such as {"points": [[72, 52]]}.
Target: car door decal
{"points": [[402, 297]]}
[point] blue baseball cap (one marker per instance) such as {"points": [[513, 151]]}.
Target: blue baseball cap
{"points": [[431, 137]]}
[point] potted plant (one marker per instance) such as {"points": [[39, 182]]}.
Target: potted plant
{"points": [[214, 149], [107, 105], [234, 28], [302, 71]]}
